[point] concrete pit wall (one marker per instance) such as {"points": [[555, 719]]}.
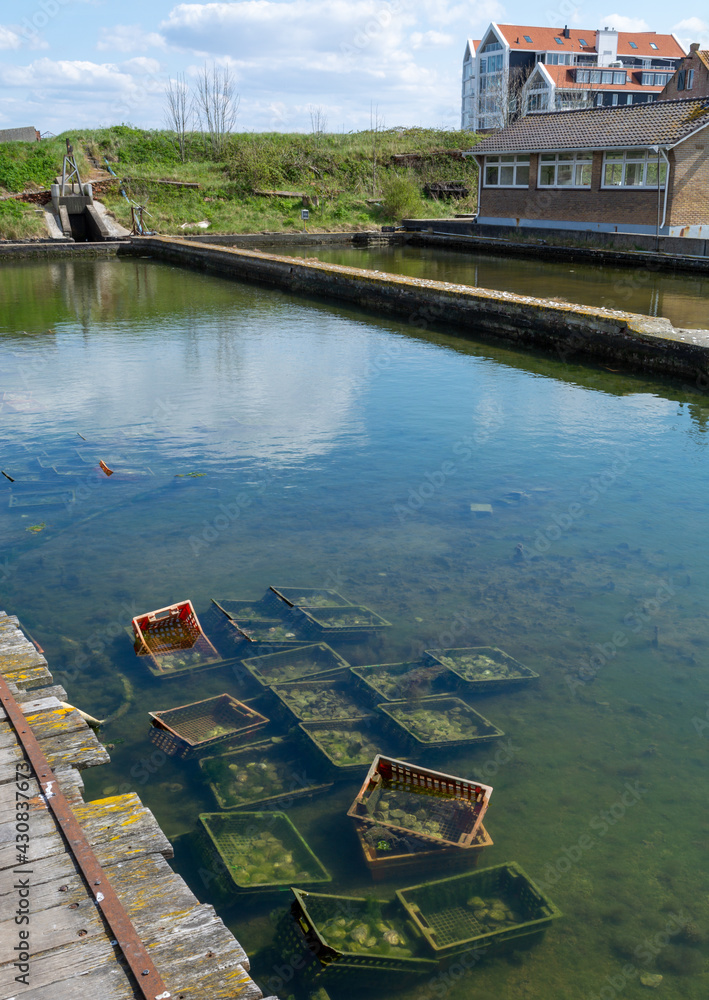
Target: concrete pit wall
{"points": [[634, 342]]}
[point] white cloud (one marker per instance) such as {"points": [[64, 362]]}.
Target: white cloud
{"points": [[8, 38], [129, 38], [692, 29], [428, 39], [622, 23]]}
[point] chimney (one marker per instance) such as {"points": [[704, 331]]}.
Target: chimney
{"points": [[694, 47], [567, 33]]}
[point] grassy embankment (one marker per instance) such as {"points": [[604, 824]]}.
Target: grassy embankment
{"points": [[345, 172]]}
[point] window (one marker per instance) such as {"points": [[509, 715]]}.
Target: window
{"points": [[690, 79], [491, 47], [558, 41], [628, 98], [632, 168], [607, 77], [681, 77], [528, 39], [632, 45], [508, 170], [652, 45], [648, 80], [582, 41], [565, 170], [615, 99], [619, 77], [599, 100], [558, 58]]}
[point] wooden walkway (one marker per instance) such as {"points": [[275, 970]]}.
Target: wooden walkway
{"points": [[46, 907]]}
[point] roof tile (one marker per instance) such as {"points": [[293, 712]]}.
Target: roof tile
{"points": [[661, 122]]}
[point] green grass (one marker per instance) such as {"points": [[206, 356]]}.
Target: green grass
{"points": [[353, 176]]}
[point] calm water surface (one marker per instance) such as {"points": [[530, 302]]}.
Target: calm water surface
{"points": [[681, 298], [337, 450]]}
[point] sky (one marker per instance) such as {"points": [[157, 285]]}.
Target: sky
{"points": [[345, 64]]}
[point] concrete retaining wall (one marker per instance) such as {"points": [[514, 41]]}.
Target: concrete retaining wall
{"points": [[570, 331]]}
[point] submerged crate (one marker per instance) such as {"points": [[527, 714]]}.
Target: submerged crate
{"points": [[314, 700], [441, 722], [197, 728], [397, 681], [265, 631], [310, 597], [259, 852], [348, 746], [352, 622], [267, 773], [356, 941], [389, 855], [416, 801], [172, 640], [291, 665], [481, 909], [250, 610], [484, 669]]}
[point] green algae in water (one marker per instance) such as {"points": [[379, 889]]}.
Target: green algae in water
{"points": [[483, 664], [438, 721], [396, 681], [272, 772], [349, 746], [320, 701]]}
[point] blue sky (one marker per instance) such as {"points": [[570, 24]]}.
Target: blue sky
{"points": [[90, 63]]}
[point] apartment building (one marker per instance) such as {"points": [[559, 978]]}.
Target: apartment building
{"points": [[515, 69]]}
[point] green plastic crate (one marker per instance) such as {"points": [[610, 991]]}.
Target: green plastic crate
{"points": [[484, 669], [351, 622], [272, 773], [266, 631], [249, 610], [259, 852], [325, 923], [310, 597], [294, 664], [315, 700], [425, 722], [337, 742], [485, 908], [397, 681]]}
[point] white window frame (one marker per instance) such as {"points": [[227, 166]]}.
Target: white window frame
{"points": [[577, 161], [503, 160], [622, 159]]}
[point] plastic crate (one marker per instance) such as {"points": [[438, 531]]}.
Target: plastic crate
{"points": [[294, 664], [272, 773], [390, 855], [351, 622], [484, 669], [310, 597], [326, 923], [197, 728], [250, 610], [397, 681], [425, 720], [416, 801], [350, 745], [480, 909], [173, 640], [266, 632], [317, 700], [259, 852]]}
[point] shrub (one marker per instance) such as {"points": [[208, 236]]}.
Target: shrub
{"points": [[400, 197]]}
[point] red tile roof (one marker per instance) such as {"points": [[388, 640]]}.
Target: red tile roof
{"points": [[704, 56], [660, 122], [543, 39], [563, 76]]}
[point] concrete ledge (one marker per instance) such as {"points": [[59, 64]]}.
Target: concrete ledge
{"points": [[635, 342], [59, 248]]}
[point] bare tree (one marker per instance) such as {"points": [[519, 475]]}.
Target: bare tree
{"points": [[318, 120], [179, 110], [217, 104]]}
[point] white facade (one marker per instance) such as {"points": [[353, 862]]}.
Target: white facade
{"points": [[493, 69]]}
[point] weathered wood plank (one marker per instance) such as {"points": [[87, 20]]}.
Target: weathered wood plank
{"points": [[45, 724], [37, 702], [81, 749], [54, 691], [109, 982], [85, 955], [70, 782]]}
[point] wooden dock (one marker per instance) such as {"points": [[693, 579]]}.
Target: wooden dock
{"points": [[55, 940]]}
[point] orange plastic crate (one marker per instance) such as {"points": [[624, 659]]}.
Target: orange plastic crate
{"points": [[158, 634]]}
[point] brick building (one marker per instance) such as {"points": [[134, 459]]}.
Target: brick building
{"points": [[692, 77], [642, 168], [27, 134]]}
